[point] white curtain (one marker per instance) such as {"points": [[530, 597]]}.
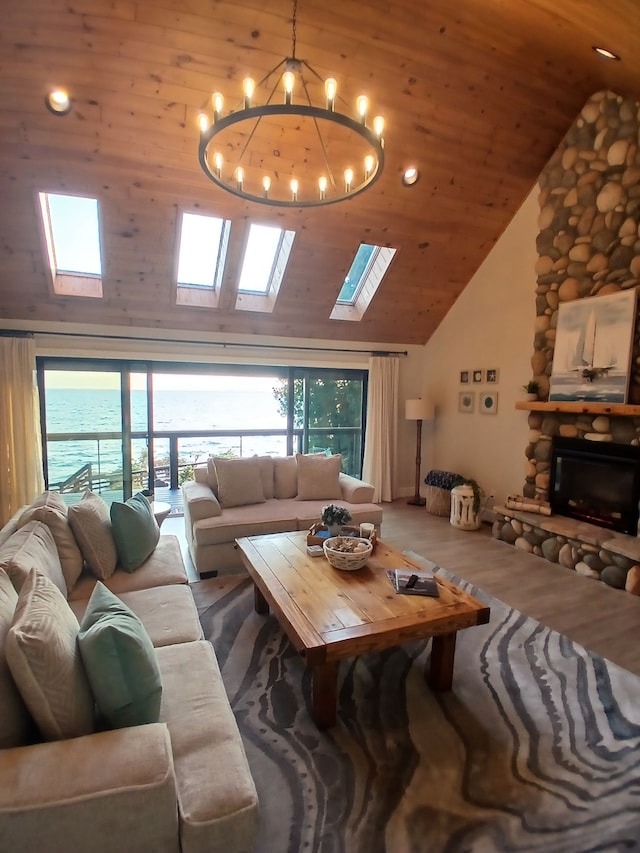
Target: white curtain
{"points": [[380, 444], [21, 450]]}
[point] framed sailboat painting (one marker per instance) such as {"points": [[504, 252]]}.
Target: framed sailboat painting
{"points": [[594, 342]]}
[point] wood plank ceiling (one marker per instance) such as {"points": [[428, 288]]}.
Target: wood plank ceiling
{"points": [[477, 94]]}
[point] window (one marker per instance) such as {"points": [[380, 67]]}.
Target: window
{"points": [[362, 281], [72, 239], [202, 251], [263, 266]]}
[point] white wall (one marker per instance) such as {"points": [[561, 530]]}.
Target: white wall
{"points": [[491, 325]]}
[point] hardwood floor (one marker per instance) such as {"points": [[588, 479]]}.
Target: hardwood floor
{"points": [[601, 618]]}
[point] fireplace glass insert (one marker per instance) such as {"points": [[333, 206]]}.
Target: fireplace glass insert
{"points": [[595, 481]]}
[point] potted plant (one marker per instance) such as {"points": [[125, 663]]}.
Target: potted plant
{"points": [[334, 517], [531, 389]]}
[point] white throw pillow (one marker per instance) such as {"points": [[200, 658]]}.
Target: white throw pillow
{"points": [[318, 477], [239, 482], [44, 659], [49, 512], [16, 725]]}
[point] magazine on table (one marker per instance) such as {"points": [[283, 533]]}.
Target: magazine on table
{"points": [[409, 582]]}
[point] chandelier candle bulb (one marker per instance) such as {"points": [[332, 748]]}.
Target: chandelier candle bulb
{"points": [[203, 122], [348, 179], [378, 126], [369, 161], [248, 86], [288, 79], [322, 185], [330, 88], [217, 101], [266, 184], [294, 189], [217, 159], [361, 104], [240, 177]]}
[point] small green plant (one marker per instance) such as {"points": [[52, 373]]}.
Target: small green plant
{"points": [[532, 387], [333, 514], [477, 490]]}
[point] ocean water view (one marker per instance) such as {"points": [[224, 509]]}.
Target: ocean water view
{"points": [[78, 410]]}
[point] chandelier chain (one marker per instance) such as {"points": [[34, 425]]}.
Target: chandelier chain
{"points": [[293, 29]]}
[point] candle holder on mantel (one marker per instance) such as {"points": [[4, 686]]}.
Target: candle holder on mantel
{"points": [[418, 410]]}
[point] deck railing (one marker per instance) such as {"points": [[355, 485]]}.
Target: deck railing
{"points": [[174, 464]]}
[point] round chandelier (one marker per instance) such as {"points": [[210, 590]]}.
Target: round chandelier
{"points": [[288, 154]]}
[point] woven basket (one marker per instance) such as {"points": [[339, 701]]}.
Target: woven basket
{"points": [[347, 561], [438, 500]]}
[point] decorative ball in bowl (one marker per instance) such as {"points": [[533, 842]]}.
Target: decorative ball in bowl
{"points": [[348, 553]]}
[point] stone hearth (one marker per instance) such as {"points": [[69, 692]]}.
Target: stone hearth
{"points": [[586, 548]]}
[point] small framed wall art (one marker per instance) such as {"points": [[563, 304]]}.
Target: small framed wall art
{"points": [[465, 377], [466, 401], [492, 375], [478, 376], [489, 403]]}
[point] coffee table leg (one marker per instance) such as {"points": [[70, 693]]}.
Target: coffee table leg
{"points": [[324, 694], [443, 651], [260, 603]]}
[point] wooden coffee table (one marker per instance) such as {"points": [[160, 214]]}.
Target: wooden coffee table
{"points": [[329, 614]]}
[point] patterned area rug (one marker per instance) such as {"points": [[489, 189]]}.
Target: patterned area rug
{"points": [[536, 748]]}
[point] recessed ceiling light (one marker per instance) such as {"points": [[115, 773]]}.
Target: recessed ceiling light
{"points": [[606, 54], [410, 176], [58, 102]]}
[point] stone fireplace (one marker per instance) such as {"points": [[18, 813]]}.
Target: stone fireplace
{"points": [[588, 245]]}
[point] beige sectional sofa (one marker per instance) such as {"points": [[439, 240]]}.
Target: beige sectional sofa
{"points": [[178, 785], [231, 498]]}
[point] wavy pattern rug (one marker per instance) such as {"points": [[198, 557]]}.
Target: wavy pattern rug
{"points": [[536, 748]]}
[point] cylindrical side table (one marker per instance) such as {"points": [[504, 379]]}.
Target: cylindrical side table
{"points": [[462, 514]]}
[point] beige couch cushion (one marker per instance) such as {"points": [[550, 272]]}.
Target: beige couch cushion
{"points": [[164, 566], [274, 516], [214, 818], [266, 473], [212, 477], [47, 509], [318, 477], [43, 655], [16, 725], [168, 613], [285, 477], [239, 482], [91, 525], [32, 547]]}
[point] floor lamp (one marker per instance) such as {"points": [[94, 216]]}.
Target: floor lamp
{"points": [[418, 410]]}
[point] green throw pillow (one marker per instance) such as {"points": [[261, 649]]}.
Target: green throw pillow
{"points": [[135, 531], [120, 662]]}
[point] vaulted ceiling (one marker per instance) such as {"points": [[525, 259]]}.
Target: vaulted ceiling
{"points": [[477, 94]]}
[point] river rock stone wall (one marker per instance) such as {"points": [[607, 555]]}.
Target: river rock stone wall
{"points": [[593, 559], [588, 245]]}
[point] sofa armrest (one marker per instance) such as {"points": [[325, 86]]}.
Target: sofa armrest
{"points": [[355, 491], [200, 501], [104, 792]]}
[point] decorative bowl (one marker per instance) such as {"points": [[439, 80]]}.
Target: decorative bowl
{"points": [[359, 551]]}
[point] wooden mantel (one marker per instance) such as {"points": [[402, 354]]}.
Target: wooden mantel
{"points": [[581, 408]]}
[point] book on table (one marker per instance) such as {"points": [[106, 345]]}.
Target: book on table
{"points": [[410, 582]]}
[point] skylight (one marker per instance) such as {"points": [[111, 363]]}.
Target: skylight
{"points": [[356, 275], [72, 237], [362, 281], [203, 246], [263, 266]]}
